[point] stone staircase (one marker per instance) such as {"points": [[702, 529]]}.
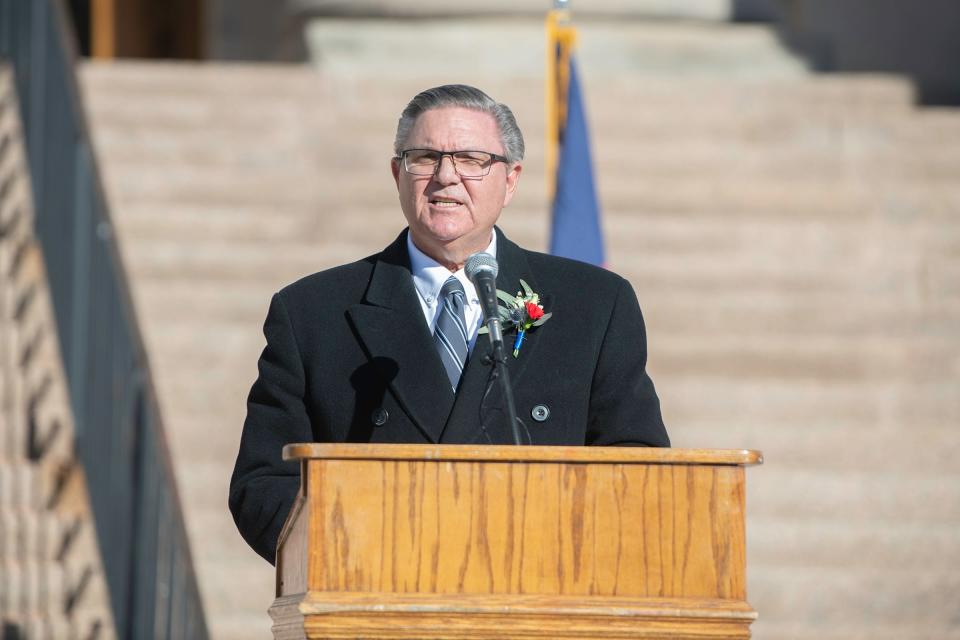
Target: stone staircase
{"points": [[51, 578], [794, 241]]}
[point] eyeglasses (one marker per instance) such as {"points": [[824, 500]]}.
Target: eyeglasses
{"points": [[467, 164]]}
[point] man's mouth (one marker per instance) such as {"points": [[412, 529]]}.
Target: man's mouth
{"points": [[444, 202]]}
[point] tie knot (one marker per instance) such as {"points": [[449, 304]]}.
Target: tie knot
{"points": [[452, 287]]}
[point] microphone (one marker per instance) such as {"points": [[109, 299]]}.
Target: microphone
{"points": [[482, 270]]}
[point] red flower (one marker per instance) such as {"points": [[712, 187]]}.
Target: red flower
{"points": [[534, 311]]}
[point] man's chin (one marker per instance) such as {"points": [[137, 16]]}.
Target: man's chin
{"points": [[446, 234], [451, 245]]}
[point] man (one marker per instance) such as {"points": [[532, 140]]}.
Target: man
{"points": [[386, 349]]}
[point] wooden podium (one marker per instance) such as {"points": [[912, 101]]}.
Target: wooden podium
{"points": [[494, 542]]}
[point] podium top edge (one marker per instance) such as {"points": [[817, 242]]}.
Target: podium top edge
{"points": [[511, 453]]}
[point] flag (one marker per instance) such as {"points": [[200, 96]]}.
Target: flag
{"points": [[575, 231]]}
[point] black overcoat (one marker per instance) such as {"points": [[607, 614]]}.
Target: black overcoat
{"points": [[350, 358]]}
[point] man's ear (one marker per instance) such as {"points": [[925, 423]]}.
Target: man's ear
{"points": [[513, 178], [395, 169]]}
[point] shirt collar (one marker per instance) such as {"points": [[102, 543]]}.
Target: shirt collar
{"points": [[429, 275]]}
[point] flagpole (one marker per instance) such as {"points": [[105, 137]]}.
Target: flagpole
{"points": [[560, 40]]}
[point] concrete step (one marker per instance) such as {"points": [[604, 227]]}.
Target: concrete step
{"points": [[828, 359], [705, 400], [778, 198], [16, 212], [40, 626], [860, 545], [852, 631], [237, 262], [183, 85], [922, 496], [56, 625], [37, 588], [757, 112], [27, 534], [835, 603], [794, 573], [761, 312], [242, 626], [221, 548], [806, 441], [148, 223], [228, 562], [714, 233], [143, 95], [23, 485], [13, 436], [208, 476], [608, 47]]}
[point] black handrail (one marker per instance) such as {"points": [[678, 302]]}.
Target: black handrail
{"points": [[120, 438]]}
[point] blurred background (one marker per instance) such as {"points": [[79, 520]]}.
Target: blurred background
{"points": [[777, 178]]}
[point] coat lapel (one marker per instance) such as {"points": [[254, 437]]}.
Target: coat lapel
{"points": [[464, 422], [390, 325]]}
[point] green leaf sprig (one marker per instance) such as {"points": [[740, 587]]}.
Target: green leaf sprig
{"points": [[514, 310]]}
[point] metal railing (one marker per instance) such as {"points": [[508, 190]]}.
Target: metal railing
{"points": [[120, 439]]}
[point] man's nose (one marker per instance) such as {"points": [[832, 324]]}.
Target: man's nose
{"points": [[446, 171]]}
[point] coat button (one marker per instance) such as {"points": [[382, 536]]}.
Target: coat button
{"points": [[540, 412], [379, 417]]}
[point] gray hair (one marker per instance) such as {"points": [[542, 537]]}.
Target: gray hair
{"points": [[466, 97]]}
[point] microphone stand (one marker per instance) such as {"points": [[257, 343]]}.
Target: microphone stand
{"points": [[482, 269], [486, 288], [499, 363]]}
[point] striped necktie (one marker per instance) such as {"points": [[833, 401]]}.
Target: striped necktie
{"points": [[450, 335]]}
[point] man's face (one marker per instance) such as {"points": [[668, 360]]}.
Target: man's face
{"points": [[449, 216]]}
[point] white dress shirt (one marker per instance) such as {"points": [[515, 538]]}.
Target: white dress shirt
{"points": [[428, 279]]}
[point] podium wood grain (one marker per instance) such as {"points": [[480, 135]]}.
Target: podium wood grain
{"points": [[409, 541]]}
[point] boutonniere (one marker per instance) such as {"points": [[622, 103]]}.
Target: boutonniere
{"points": [[522, 312]]}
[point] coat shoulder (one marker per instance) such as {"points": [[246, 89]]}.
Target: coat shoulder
{"points": [[327, 291], [340, 279]]}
